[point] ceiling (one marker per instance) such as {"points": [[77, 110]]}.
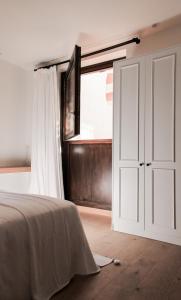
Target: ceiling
{"points": [[35, 31]]}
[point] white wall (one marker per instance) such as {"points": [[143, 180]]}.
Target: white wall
{"points": [[15, 114], [15, 182], [160, 40], [16, 91]]}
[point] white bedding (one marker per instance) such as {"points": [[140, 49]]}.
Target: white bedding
{"points": [[42, 246]]}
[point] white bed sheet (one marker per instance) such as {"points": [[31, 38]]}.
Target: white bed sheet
{"points": [[42, 246]]}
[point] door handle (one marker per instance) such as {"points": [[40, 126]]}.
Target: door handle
{"points": [[141, 164], [148, 164]]}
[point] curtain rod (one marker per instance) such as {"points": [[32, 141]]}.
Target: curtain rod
{"points": [[134, 40]]}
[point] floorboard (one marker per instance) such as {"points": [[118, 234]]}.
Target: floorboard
{"points": [[149, 269]]}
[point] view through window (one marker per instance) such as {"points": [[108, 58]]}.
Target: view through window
{"points": [[96, 105]]}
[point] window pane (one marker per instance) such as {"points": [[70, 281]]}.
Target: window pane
{"points": [[96, 105]]}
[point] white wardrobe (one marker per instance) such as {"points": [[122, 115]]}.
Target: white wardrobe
{"points": [[147, 146]]}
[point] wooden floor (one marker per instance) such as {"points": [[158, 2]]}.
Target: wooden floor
{"points": [[149, 269]]}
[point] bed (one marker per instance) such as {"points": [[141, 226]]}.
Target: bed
{"points": [[42, 246]]}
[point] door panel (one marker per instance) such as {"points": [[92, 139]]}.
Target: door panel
{"points": [[101, 174], [129, 116], [162, 145], [163, 102], [129, 208], [128, 146], [163, 198], [80, 168], [88, 173]]}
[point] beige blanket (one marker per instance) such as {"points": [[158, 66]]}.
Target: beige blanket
{"points": [[42, 246]]}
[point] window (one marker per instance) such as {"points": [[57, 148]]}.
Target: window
{"points": [[96, 105]]}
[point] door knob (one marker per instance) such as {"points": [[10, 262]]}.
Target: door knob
{"points": [[148, 164], [141, 164]]}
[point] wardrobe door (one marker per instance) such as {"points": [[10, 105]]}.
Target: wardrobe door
{"points": [[163, 146], [128, 146]]}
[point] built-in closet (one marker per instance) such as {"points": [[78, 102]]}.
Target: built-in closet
{"points": [[147, 146]]}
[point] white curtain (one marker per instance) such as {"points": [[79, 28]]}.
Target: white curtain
{"points": [[46, 162]]}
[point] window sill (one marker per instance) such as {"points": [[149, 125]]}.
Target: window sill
{"points": [[104, 141]]}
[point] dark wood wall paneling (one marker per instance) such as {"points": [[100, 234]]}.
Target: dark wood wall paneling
{"points": [[87, 165], [88, 173]]}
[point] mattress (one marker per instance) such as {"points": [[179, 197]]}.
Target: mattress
{"points": [[42, 246]]}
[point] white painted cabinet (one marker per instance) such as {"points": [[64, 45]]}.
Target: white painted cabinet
{"points": [[147, 146], [128, 144]]}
